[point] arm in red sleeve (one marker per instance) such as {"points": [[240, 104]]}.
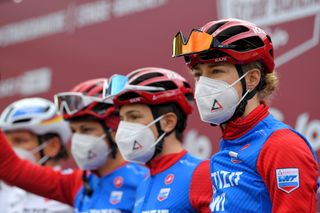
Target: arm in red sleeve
{"points": [[40, 180], [201, 188], [285, 153]]}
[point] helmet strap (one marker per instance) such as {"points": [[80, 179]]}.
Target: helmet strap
{"points": [[111, 142], [159, 145], [242, 105], [88, 190]]}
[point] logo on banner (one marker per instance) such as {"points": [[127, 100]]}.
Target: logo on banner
{"points": [[288, 179], [115, 197], [163, 194]]}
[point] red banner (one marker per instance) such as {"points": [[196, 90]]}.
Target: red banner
{"points": [[49, 46]]}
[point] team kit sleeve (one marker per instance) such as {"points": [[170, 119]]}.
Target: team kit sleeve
{"points": [[201, 188], [40, 180], [289, 171]]}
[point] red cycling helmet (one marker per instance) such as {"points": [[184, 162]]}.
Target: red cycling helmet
{"points": [[154, 86], [86, 99], [227, 40]]}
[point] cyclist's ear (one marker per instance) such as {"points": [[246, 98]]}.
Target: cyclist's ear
{"points": [[169, 122], [53, 147]]}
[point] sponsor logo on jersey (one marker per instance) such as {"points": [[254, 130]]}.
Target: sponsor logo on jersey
{"points": [[234, 157], [118, 181], [163, 194], [288, 179], [115, 197], [169, 179]]}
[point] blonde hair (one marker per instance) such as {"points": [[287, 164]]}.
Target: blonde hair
{"points": [[269, 84], [272, 83]]}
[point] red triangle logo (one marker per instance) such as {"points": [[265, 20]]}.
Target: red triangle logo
{"points": [[216, 105], [136, 145]]}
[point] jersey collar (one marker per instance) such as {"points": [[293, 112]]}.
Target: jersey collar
{"points": [[159, 164], [240, 126]]}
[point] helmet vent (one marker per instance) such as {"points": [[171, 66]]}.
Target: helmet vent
{"points": [[211, 54], [269, 38], [22, 121], [101, 108], [271, 52], [47, 109], [128, 95], [145, 77], [190, 98], [167, 85], [215, 27], [186, 84], [232, 31], [88, 90], [249, 43]]}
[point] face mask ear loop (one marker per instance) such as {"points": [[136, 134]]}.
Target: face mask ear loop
{"points": [[243, 101], [40, 149], [111, 142], [161, 133], [246, 94], [241, 78]]}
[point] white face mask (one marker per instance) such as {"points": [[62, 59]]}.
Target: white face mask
{"points": [[90, 152], [216, 99], [136, 142], [24, 154], [29, 155]]}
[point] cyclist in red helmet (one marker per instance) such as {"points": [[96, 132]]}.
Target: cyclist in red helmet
{"points": [[263, 165], [111, 184], [154, 105]]}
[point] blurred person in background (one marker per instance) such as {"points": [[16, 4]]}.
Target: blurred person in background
{"points": [[154, 105], [263, 165], [106, 182], [37, 134]]}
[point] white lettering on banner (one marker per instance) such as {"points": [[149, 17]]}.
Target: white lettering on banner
{"points": [[124, 7], [32, 28], [29, 83], [266, 12], [270, 12], [91, 13], [224, 179], [311, 130], [70, 18], [280, 37]]}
